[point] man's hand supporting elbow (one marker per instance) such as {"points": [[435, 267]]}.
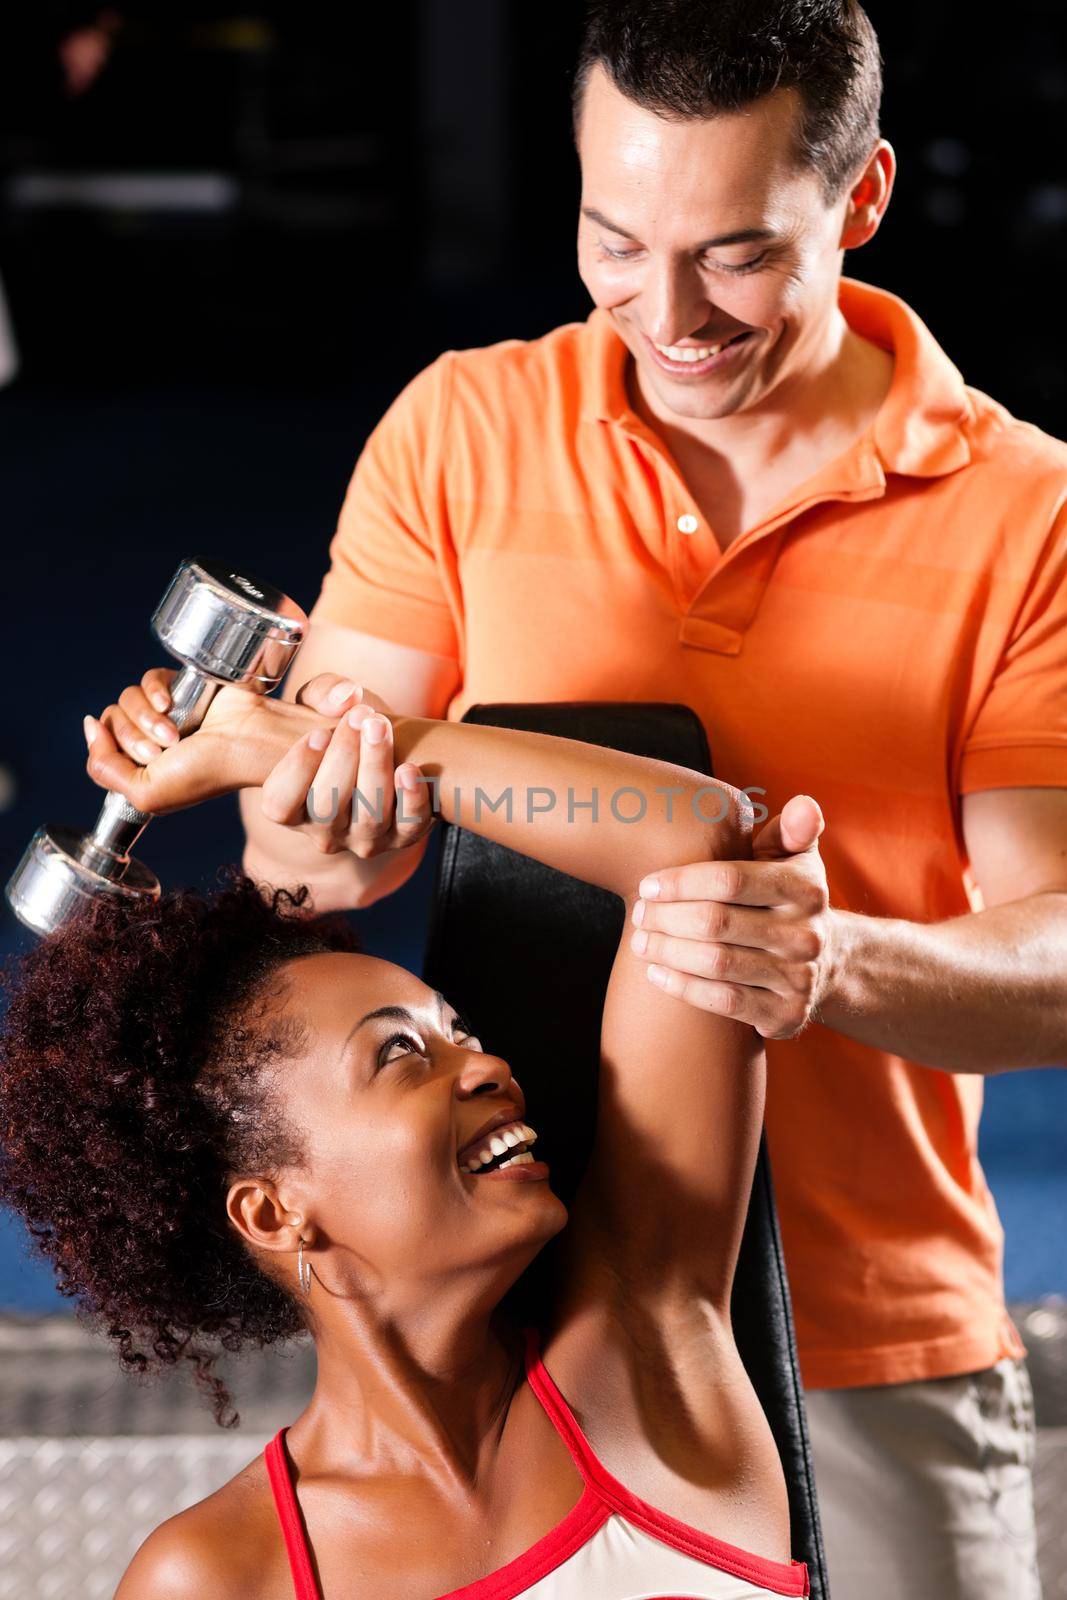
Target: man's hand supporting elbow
{"points": [[983, 992]]}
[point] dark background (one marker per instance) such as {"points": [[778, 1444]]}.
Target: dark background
{"points": [[226, 255]]}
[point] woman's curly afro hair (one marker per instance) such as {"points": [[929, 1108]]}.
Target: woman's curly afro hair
{"points": [[135, 1077]]}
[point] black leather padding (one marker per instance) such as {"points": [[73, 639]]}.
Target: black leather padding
{"points": [[524, 952]]}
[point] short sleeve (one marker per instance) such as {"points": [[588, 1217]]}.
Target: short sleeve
{"points": [[1019, 737], [392, 563]]}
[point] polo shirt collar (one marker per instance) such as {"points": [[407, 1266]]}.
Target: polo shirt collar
{"points": [[920, 428]]}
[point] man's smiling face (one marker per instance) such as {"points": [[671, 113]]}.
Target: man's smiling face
{"points": [[703, 233]]}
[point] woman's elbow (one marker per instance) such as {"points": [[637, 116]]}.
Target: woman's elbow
{"points": [[708, 821], [728, 832]]}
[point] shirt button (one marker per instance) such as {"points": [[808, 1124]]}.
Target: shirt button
{"points": [[687, 523]]}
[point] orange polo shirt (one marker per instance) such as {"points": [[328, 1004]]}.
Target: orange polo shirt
{"points": [[891, 636]]}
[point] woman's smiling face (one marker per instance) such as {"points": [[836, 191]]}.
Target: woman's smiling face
{"points": [[387, 1089]]}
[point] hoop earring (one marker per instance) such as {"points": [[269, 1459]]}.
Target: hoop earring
{"points": [[303, 1268]]}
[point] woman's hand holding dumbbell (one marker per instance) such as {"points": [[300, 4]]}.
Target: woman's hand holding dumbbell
{"points": [[322, 772]]}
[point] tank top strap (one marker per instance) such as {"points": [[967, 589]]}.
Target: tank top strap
{"points": [[305, 1584], [779, 1577], [560, 1414]]}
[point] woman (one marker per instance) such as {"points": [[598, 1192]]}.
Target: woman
{"points": [[275, 1131]]}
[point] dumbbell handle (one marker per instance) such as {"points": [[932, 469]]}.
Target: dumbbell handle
{"points": [[120, 825]]}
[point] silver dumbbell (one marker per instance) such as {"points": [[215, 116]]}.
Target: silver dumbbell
{"points": [[224, 627]]}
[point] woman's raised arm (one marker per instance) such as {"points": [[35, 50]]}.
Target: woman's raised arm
{"points": [[639, 1325], [602, 815]]}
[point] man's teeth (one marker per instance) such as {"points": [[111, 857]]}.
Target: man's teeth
{"points": [[499, 1143], [676, 352]]}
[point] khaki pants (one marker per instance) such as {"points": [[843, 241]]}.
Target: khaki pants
{"points": [[925, 1489]]}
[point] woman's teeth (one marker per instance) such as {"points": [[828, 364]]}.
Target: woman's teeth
{"points": [[499, 1143]]}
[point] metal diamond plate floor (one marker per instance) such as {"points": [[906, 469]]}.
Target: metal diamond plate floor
{"points": [[91, 1461]]}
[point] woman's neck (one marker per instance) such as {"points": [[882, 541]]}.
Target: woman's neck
{"points": [[422, 1396]]}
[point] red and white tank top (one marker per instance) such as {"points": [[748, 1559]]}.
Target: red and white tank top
{"points": [[611, 1546]]}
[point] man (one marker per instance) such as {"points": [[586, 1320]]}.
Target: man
{"points": [[755, 487]]}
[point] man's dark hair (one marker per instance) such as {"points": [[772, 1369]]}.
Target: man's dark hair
{"points": [[701, 58]]}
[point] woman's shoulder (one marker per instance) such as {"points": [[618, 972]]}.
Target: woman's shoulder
{"points": [[227, 1545]]}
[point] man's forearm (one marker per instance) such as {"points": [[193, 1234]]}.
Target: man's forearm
{"points": [[985, 992]]}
